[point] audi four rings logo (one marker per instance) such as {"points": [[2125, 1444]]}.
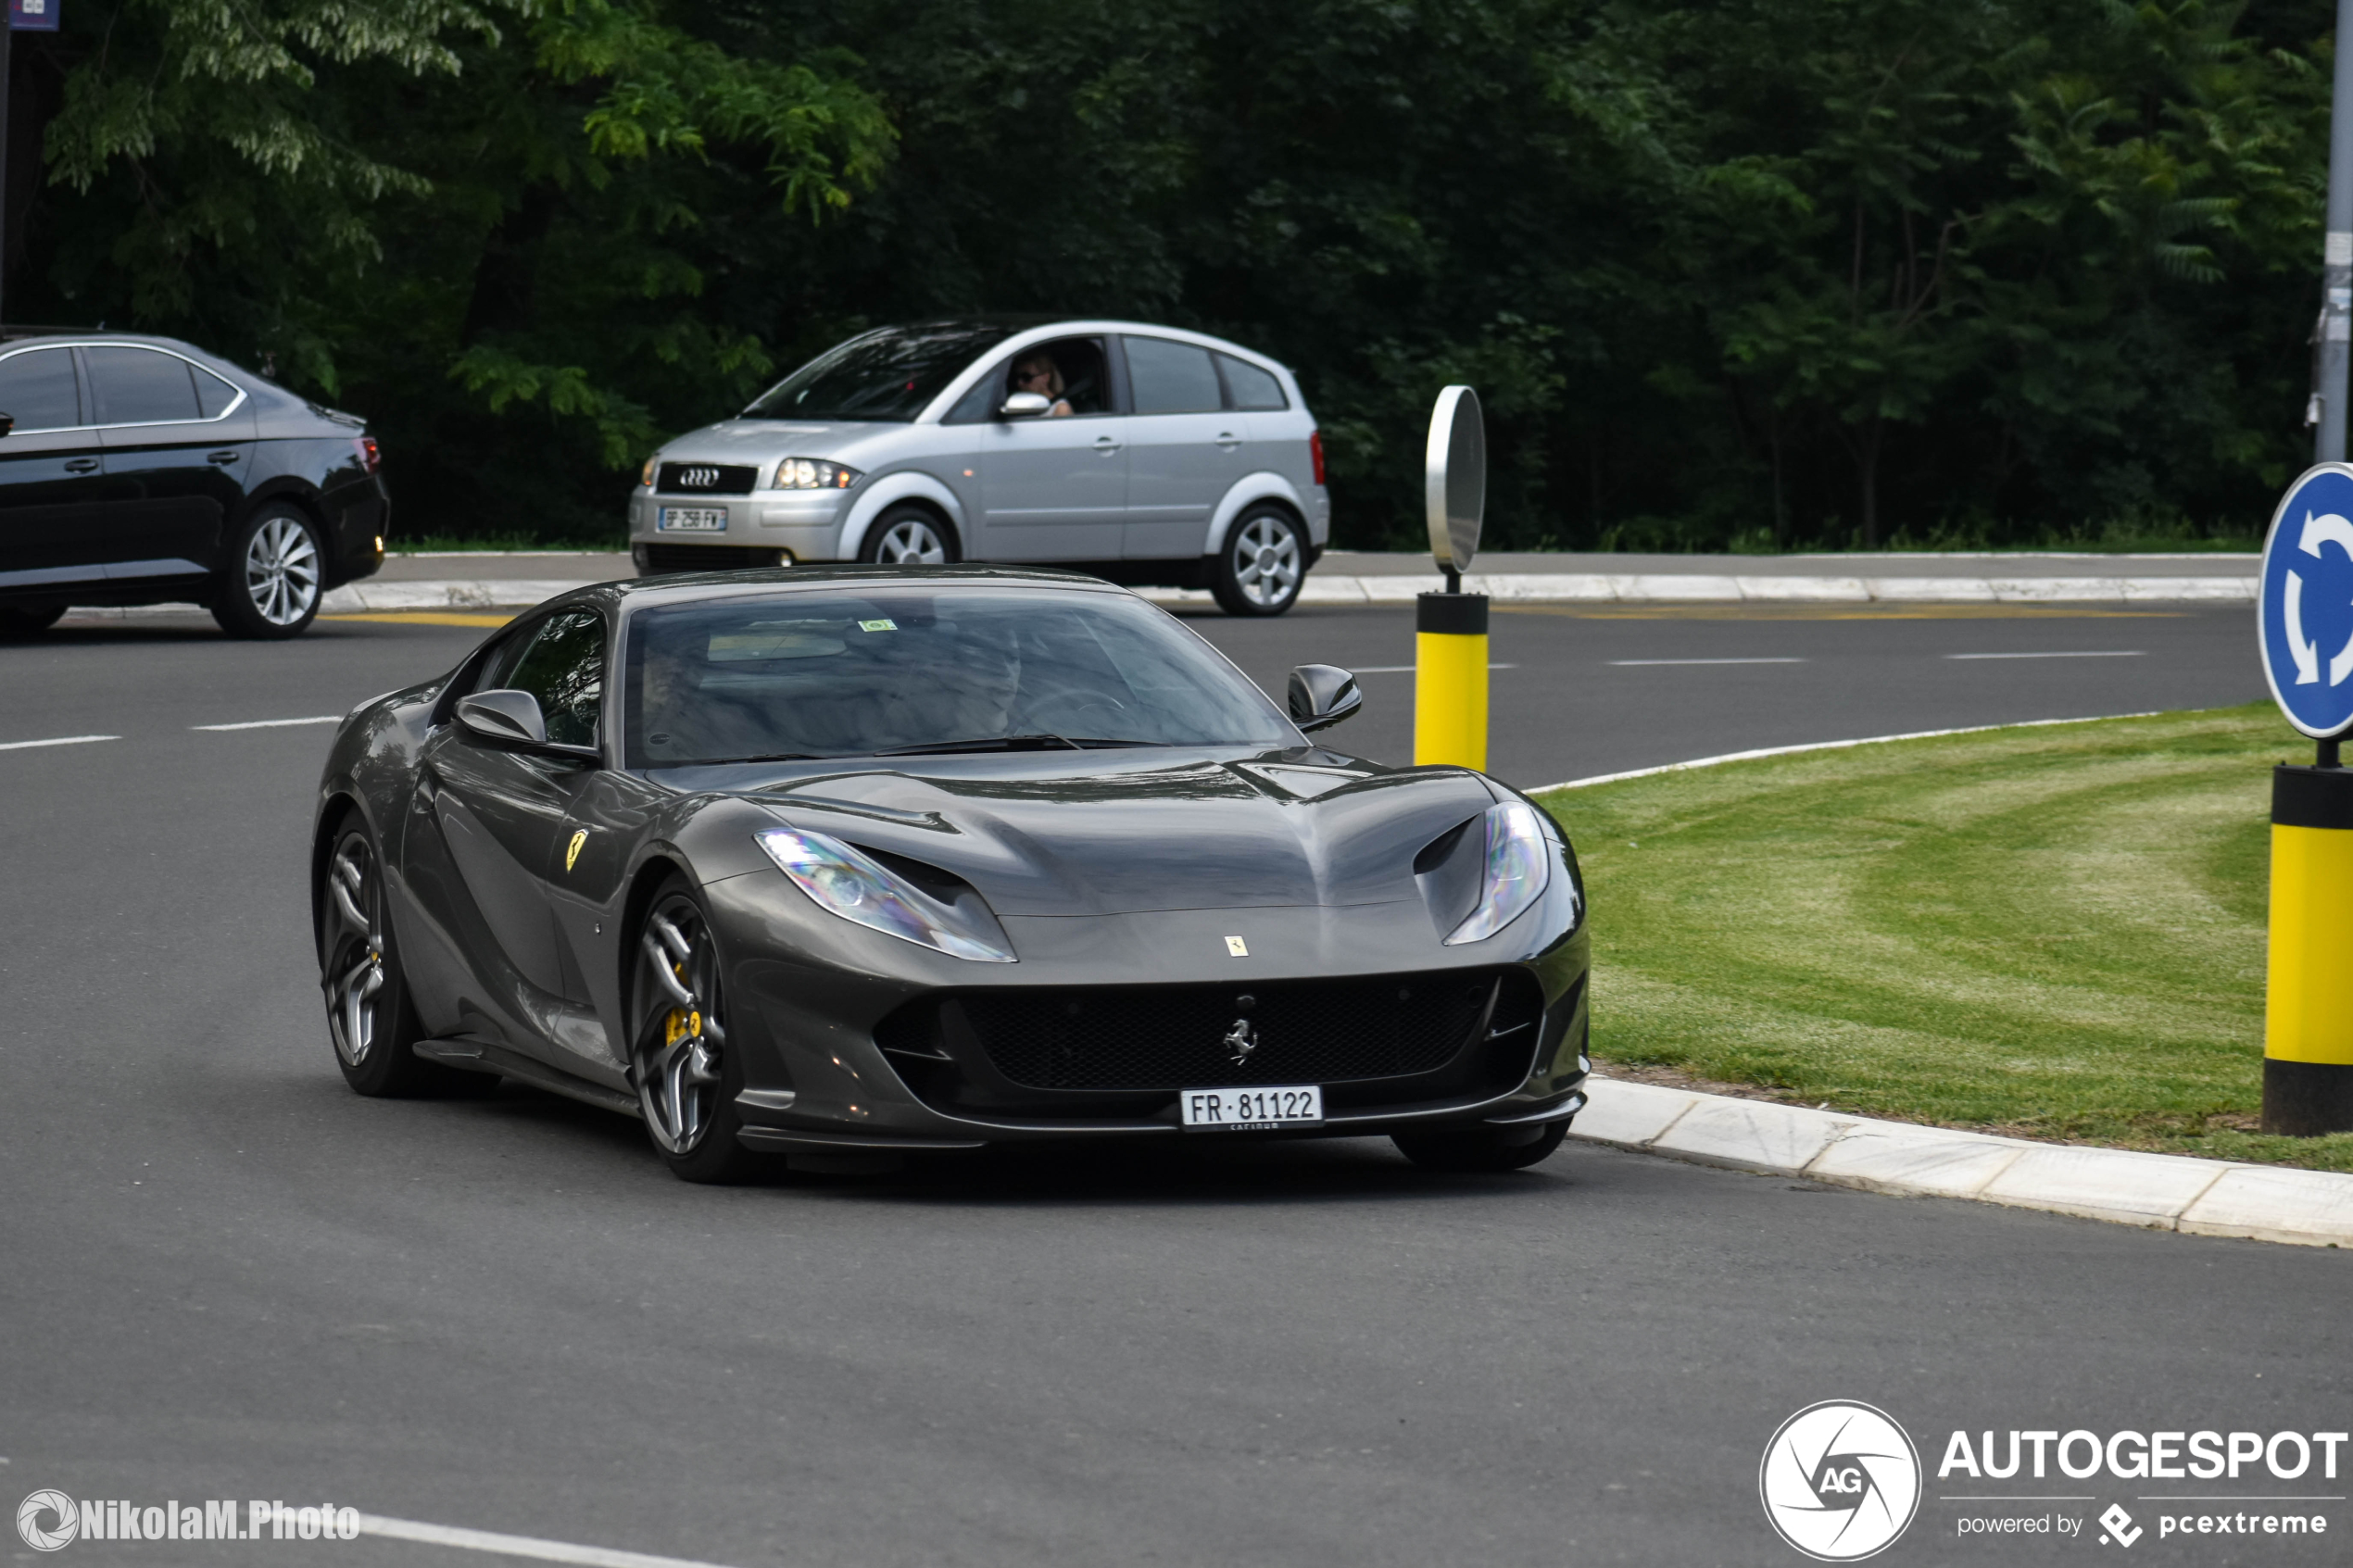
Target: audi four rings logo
{"points": [[698, 479], [1841, 1481]]}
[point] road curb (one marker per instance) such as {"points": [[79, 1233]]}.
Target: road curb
{"points": [[1547, 587], [2167, 1192]]}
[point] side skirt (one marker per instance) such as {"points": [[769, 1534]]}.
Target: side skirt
{"points": [[476, 1056]]}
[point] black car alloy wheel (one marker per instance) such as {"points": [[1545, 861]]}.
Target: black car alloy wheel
{"points": [[679, 1059], [274, 577], [1263, 565]]}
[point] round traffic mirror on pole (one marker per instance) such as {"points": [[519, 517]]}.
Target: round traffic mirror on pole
{"points": [[1450, 643], [1454, 482]]}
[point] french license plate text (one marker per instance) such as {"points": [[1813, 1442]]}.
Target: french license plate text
{"points": [[692, 520]]}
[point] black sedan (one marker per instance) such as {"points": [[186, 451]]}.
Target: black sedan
{"points": [[144, 471], [839, 863]]}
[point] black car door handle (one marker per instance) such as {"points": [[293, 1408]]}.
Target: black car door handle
{"points": [[82, 465], [229, 457]]}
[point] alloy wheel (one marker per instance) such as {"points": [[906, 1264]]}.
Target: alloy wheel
{"points": [[355, 970], [911, 541], [282, 572], [1266, 561], [680, 1039]]}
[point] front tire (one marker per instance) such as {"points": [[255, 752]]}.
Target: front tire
{"points": [[1262, 565], [274, 577], [27, 621], [686, 1076], [370, 1021], [1480, 1149], [909, 536]]}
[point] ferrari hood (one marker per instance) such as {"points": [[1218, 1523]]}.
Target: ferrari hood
{"points": [[1125, 837]]}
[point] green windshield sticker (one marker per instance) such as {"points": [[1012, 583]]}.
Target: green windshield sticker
{"points": [[878, 626]]}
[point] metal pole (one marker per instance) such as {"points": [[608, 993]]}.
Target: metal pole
{"points": [[6, 34], [2336, 307]]}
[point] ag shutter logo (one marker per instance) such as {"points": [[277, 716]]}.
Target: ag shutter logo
{"points": [[1841, 1481], [47, 1538]]}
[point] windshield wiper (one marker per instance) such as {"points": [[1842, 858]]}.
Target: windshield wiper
{"points": [[765, 756], [981, 743]]}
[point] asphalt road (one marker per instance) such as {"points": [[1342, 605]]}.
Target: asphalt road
{"points": [[222, 1275]]}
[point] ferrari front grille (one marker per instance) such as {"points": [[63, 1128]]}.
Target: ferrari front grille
{"points": [[1166, 1037]]}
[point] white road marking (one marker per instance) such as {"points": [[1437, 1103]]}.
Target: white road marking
{"points": [[1408, 668], [2118, 653], [270, 724], [1821, 746], [61, 740], [517, 1546], [1707, 661]]}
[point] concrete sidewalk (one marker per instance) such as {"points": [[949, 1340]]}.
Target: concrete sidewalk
{"points": [[2167, 1192], [460, 580]]}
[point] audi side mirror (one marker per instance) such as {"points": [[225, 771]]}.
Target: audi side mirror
{"points": [[1321, 695], [511, 719], [1026, 406]]}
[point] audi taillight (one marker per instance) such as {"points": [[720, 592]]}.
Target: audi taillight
{"points": [[1315, 450], [371, 460]]}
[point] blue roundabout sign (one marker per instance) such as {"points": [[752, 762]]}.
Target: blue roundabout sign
{"points": [[2305, 622]]}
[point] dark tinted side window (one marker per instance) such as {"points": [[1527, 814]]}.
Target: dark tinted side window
{"points": [[140, 386], [37, 390], [213, 395], [563, 666], [1172, 378], [1248, 387]]}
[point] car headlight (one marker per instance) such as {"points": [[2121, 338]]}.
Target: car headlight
{"points": [[844, 882], [645, 474], [1519, 866], [814, 474]]}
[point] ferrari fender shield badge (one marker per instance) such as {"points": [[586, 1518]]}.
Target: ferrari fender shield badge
{"points": [[572, 851], [1236, 948]]}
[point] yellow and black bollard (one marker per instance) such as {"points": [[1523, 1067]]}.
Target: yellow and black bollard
{"points": [[2308, 1025], [1450, 680]]}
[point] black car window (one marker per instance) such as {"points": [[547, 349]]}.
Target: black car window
{"points": [[827, 673], [891, 374], [38, 390], [138, 386], [1248, 387], [213, 395], [1172, 378], [563, 666]]}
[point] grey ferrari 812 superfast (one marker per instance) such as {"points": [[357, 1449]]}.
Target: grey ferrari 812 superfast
{"points": [[838, 863]]}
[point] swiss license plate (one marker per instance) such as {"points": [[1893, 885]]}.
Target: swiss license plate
{"points": [[692, 520], [1296, 1104]]}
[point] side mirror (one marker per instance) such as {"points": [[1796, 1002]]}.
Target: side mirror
{"points": [[7, 423], [1026, 406], [511, 719], [1323, 695]]}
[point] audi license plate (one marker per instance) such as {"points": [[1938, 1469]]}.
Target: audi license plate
{"points": [[691, 519], [1298, 1105]]}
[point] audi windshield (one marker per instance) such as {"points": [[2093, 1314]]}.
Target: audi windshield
{"points": [[886, 375]]}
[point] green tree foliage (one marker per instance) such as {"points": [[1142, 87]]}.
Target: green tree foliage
{"points": [[1725, 271]]}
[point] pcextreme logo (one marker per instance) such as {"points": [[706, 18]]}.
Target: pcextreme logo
{"points": [[1841, 1481]]}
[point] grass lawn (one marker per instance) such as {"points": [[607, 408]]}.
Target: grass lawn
{"points": [[2049, 932]]}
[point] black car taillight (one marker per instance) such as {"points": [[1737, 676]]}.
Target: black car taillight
{"points": [[371, 460]]}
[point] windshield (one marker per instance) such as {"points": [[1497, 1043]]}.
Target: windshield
{"points": [[890, 374], [890, 669]]}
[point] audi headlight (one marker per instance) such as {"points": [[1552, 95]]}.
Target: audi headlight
{"points": [[845, 882], [814, 474], [1519, 866], [645, 474]]}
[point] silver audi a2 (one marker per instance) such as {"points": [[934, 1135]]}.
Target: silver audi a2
{"points": [[1145, 455]]}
